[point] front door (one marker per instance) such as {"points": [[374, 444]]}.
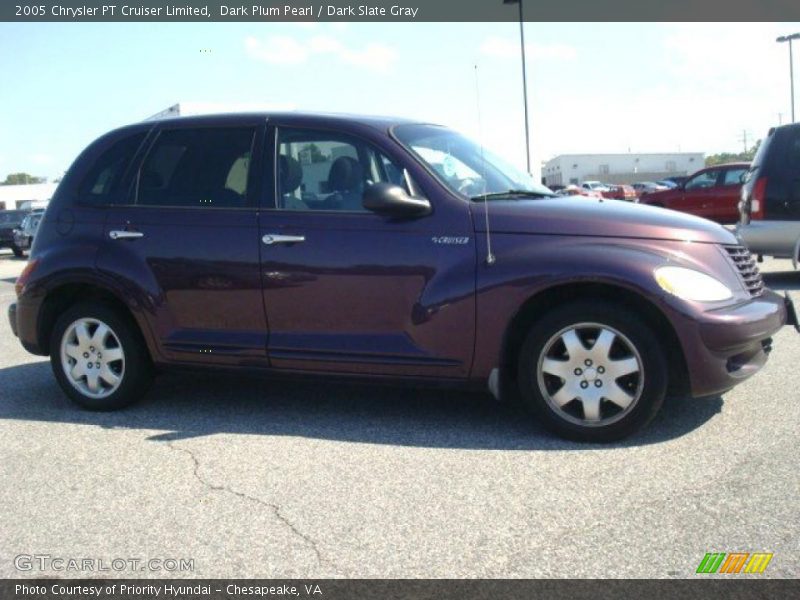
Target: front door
{"points": [[188, 234], [349, 291], [699, 193]]}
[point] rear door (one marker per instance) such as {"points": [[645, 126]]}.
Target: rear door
{"points": [[349, 291], [185, 242]]}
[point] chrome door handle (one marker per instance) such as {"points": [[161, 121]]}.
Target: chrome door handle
{"points": [[125, 235], [274, 238]]}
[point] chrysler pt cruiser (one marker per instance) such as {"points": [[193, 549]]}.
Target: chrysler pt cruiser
{"points": [[380, 248]]}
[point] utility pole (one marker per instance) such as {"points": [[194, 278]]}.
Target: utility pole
{"points": [[743, 139], [524, 81], [789, 38]]}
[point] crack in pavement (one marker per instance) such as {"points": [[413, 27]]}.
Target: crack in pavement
{"points": [[272, 507]]}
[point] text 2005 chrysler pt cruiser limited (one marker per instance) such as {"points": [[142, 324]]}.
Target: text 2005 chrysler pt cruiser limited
{"points": [[362, 246]]}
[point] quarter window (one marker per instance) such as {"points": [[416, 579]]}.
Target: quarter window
{"points": [[321, 170], [197, 168], [102, 182]]}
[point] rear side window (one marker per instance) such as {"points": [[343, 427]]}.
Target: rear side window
{"points": [[102, 183], [793, 154], [197, 168], [761, 154]]}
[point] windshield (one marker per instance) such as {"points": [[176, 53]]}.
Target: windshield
{"points": [[463, 166]]}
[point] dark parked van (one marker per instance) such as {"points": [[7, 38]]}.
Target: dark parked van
{"points": [[372, 247], [9, 221], [770, 205]]}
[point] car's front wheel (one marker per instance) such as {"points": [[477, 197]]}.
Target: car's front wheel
{"points": [[99, 358], [17, 251], [593, 371]]}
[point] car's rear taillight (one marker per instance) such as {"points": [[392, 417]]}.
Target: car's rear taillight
{"points": [[758, 198], [23, 278]]}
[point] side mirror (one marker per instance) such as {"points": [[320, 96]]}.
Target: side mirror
{"points": [[391, 200]]}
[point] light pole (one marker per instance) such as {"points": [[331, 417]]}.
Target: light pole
{"points": [[789, 38], [524, 81]]}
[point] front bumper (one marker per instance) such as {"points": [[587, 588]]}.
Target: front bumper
{"points": [[723, 347], [12, 318]]}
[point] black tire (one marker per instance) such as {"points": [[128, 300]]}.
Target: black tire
{"points": [[17, 251], [138, 369], [651, 358]]}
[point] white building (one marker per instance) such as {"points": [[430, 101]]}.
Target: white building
{"points": [[567, 169], [27, 196]]}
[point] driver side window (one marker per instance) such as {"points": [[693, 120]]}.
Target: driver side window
{"points": [[324, 170], [704, 180]]}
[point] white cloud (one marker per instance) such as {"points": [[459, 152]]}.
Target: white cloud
{"points": [[207, 108], [277, 50], [41, 159], [499, 47], [289, 50]]}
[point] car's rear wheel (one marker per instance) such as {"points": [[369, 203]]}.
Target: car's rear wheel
{"points": [[593, 372], [99, 358], [17, 251]]}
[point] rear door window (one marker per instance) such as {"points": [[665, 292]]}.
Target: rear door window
{"points": [[197, 168]]}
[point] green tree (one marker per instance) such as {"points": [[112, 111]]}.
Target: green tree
{"points": [[727, 157], [22, 178]]}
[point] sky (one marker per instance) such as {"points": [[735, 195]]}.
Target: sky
{"points": [[592, 87]]}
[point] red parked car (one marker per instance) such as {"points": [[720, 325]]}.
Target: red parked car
{"points": [[621, 192], [712, 193]]}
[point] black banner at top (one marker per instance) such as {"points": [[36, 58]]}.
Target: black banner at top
{"points": [[397, 10]]}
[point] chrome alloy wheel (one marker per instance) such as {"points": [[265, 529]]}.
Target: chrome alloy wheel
{"points": [[92, 358], [590, 374]]}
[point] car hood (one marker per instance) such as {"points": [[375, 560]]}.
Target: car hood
{"points": [[580, 215]]}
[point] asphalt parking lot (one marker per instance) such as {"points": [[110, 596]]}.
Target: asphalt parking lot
{"points": [[252, 478]]}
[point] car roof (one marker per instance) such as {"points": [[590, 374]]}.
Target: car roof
{"points": [[376, 121], [730, 164]]}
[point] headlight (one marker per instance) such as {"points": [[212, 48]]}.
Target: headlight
{"points": [[691, 285]]}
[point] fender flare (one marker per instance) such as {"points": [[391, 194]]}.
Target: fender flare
{"points": [[96, 279]]}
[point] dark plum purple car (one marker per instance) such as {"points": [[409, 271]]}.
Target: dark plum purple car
{"points": [[361, 246]]}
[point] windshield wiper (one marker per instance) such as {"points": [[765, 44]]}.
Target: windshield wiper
{"points": [[511, 194]]}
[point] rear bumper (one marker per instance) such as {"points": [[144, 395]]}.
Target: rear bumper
{"points": [[21, 241], [727, 346], [780, 239], [12, 318]]}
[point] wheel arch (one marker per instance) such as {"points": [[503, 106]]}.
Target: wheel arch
{"points": [[539, 304], [68, 293]]}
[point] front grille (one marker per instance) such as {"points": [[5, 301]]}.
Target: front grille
{"points": [[748, 270]]}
